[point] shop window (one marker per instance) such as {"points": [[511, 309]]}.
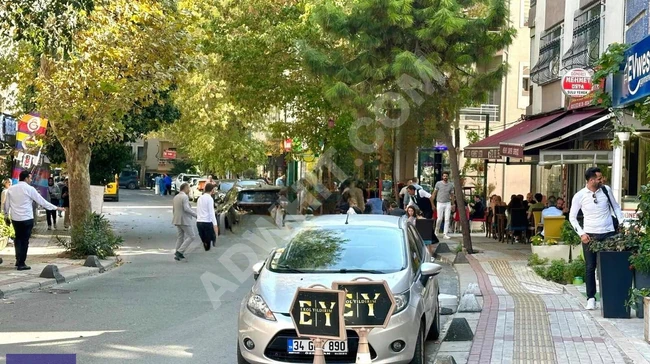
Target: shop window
{"points": [[585, 47], [547, 68]]}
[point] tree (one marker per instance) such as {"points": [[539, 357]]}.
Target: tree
{"points": [[87, 64], [419, 59]]}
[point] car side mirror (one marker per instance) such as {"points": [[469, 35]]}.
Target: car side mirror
{"points": [[257, 268], [430, 269]]}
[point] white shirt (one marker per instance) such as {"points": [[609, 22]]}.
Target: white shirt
{"points": [[20, 199], [205, 209], [597, 215], [422, 193]]}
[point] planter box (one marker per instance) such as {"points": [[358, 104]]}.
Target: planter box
{"points": [[641, 280], [615, 279], [552, 252], [576, 251]]}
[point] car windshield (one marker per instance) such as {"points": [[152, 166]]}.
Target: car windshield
{"points": [[342, 249], [187, 178], [225, 186], [250, 183]]}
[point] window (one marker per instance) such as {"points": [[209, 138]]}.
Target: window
{"points": [[140, 153], [525, 81], [585, 47], [414, 254], [547, 68], [525, 10]]}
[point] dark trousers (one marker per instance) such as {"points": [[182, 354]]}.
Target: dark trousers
{"points": [[207, 234], [23, 231], [51, 214], [168, 190], [591, 259]]}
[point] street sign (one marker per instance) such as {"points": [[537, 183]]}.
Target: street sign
{"points": [[577, 83], [368, 304], [318, 313], [169, 154]]}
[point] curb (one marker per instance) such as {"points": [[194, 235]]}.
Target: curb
{"points": [[37, 283]]}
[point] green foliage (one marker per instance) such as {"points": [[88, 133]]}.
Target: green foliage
{"points": [[6, 230], [537, 240], [577, 268], [636, 296], [626, 240], [183, 166], [535, 260], [568, 234], [93, 236]]}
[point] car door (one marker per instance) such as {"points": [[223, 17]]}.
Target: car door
{"points": [[425, 286]]}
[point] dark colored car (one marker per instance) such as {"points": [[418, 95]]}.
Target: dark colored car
{"points": [[245, 198], [129, 179]]}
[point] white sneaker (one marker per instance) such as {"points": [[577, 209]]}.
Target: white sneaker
{"points": [[591, 304], [446, 237]]}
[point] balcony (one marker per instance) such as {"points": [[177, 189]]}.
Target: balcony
{"points": [[484, 109]]}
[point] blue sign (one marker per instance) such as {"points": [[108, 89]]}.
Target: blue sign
{"points": [[634, 82], [41, 359]]}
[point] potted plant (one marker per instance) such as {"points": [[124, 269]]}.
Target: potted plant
{"points": [[549, 248], [571, 238], [6, 232], [614, 273], [635, 300]]}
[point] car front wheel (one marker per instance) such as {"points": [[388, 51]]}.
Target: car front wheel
{"points": [[131, 186], [418, 356]]}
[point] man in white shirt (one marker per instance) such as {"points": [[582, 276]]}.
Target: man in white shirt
{"points": [[206, 219], [551, 210], [594, 201], [19, 206], [404, 195]]}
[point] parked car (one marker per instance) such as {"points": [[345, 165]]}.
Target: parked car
{"points": [[129, 179], [112, 190], [245, 198], [196, 187], [333, 248], [180, 179]]}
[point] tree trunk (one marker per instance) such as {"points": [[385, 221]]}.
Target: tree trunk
{"points": [[78, 161], [143, 166], [458, 188]]}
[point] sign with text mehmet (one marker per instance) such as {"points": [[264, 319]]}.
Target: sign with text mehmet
{"points": [[633, 82], [367, 303], [318, 313]]}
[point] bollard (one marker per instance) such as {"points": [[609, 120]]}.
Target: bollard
{"points": [[646, 318]]}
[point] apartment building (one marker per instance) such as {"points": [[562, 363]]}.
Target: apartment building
{"points": [[562, 135], [155, 156]]}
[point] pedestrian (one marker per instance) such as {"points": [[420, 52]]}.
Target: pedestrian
{"points": [[65, 196], [211, 181], [183, 215], [161, 185], [61, 184], [19, 211], [404, 197], [411, 214], [280, 181], [6, 183], [54, 195], [395, 210], [375, 205], [156, 183], [601, 214], [422, 200], [443, 193], [206, 219], [168, 185]]}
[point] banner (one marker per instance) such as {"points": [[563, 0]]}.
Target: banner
{"points": [[29, 146]]}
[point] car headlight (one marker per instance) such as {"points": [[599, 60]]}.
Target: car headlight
{"points": [[258, 307], [401, 301]]}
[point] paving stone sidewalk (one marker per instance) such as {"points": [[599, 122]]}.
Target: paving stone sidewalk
{"points": [[526, 319]]}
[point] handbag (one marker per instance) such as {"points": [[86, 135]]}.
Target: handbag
{"points": [[614, 218]]}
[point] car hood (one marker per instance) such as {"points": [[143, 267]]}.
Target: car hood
{"points": [[278, 289]]}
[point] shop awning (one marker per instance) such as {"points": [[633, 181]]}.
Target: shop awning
{"points": [[488, 148], [515, 147]]}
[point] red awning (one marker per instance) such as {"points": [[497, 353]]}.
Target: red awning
{"points": [[514, 147], [488, 148]]}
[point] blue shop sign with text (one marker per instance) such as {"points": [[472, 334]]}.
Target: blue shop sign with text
{"points": [[634, 82]]}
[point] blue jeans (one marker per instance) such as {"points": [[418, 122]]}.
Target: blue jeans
{"points": [[591, 261]]}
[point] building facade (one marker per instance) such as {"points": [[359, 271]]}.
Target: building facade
{"points": [[155, 156]]}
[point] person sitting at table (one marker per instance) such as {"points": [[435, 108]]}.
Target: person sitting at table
{"points": [[478, 211], [553, 209]]}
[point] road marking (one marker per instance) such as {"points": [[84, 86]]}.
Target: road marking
{"points": [[8, 338]]}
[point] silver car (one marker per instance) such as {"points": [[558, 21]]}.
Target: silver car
{"points": [[341, 248]]}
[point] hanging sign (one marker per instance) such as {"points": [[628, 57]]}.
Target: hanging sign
{"points": [[577, 83], [169, 154]]}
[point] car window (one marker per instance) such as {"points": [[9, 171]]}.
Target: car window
{"points": [[225, 186], [258, 196], [332, 250], [414, 253], [249, 183], [418, 240]]}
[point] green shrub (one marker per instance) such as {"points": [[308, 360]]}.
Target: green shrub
{"points": [[555, 272], [568, 235], [93, 236], [534, 260], [575, 269], [6, 230]]}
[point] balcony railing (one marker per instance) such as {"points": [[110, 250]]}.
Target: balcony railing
{"points": [[477, 113]]}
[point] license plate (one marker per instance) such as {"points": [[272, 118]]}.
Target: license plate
{"points": [[302, 346]]}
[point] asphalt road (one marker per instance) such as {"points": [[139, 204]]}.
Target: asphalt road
{"points": [[152, 309]]}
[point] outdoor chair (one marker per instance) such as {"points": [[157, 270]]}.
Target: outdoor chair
{"points": [[481, 220], [536, 223], [500, 222], [553, 226], [518, 223]]}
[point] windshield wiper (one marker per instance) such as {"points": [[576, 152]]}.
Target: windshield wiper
{"points": [[289, 269], [354, 270]]}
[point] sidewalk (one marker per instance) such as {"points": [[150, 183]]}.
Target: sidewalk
{"points": [[43, 250], [526, 319]]}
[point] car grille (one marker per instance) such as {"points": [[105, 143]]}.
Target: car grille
{"points": [[277, 349]]}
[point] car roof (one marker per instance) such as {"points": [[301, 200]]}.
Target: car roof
{"points": [[365, 220]]}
